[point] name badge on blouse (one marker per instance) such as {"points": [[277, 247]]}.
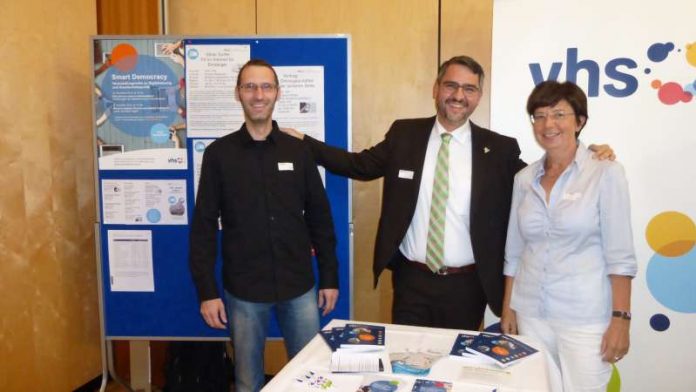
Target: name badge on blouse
{"points": [[407, 174], [572, 196], [285, 166]]}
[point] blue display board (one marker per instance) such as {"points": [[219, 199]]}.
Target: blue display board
{"points": [[141, 136]]}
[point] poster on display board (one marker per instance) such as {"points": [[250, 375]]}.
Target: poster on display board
{"points": [[214, 111], [139, 104], [158, 103]]}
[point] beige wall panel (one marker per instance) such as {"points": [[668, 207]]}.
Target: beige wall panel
{"points": [[132, 16], [212, 17], [49, 326], [467, 28]]}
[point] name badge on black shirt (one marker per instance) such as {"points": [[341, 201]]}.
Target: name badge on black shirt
{"points": [[285, 166]]}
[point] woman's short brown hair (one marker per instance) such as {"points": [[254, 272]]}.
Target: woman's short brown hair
{"points": [[551, 92]]}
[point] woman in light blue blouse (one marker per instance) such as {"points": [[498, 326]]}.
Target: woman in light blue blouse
{"points": [[569, 258]]}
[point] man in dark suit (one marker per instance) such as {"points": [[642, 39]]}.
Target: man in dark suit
{"points": [[445, 204]]}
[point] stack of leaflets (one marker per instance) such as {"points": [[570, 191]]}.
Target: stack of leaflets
{"points": [[355, 362], [330, 336], [460, 349], [500, 349], [356, 347], [362, 337], [356, 337]]}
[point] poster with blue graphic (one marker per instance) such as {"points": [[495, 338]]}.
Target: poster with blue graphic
{"points": [[139, 104]]}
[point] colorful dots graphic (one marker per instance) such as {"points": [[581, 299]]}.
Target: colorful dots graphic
{"points": [[615, 380], [690, 88], [659, 322], [672, 270], [671, 234], [658, 52], [691, 53], [670, 281], [671, 93], [124, 57]]}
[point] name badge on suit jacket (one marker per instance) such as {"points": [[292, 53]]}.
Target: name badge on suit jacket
{"points": [[406, 174]]}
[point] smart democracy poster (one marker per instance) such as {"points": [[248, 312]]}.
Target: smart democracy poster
{"points": [[140, 104]]}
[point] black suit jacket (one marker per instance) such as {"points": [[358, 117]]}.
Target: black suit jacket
{"points": [[495, 160]]}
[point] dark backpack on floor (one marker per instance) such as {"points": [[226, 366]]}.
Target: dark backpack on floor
{"points": [[198, 367]]}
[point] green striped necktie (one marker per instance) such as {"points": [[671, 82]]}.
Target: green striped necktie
{"points": [[435, 250]]}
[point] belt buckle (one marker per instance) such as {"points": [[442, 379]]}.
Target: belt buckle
{"points": [[442, 271]]}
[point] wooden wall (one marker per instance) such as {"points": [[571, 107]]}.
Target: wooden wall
{"points": [[49, 325], [394, 63], [128, 17]]}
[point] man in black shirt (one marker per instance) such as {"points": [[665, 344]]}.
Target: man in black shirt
{"points": [[265, 188]]}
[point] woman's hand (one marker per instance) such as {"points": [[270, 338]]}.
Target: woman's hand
{"points": [[616, 340], [508, 321], [508, 318]]}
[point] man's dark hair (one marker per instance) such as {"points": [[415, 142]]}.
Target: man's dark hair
{"points": [[465, 61], [257, 63]]}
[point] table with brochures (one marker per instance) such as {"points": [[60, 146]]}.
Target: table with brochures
{"points": [[413, 358]]}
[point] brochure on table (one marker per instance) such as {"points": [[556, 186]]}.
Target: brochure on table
{"points": [[417, 361]]}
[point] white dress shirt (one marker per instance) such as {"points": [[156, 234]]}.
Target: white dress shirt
{"points": [[458, 251], [561, 253]]}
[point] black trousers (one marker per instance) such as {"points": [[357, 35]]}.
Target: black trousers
{"points": [[425, 299]]}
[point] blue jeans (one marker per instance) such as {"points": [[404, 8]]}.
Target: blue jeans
{"points": [[299, 322]]}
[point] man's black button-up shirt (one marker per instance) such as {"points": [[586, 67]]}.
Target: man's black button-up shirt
{"points": [[273, 208]]}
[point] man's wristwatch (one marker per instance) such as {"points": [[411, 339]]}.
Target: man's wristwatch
{"points": [[621, 314]]}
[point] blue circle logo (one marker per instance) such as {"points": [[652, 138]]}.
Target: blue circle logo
{"points": [[159, 133], [153, 215], [199, 146]]}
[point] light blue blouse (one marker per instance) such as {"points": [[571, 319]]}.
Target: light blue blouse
{"points": [[562, 253]]}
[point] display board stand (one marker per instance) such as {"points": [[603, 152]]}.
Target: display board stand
{"points": [[158, 102]]}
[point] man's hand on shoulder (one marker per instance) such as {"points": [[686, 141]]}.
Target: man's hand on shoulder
{"points": [[327, 300], [213, 312], [293, 132], [602, 152]]}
